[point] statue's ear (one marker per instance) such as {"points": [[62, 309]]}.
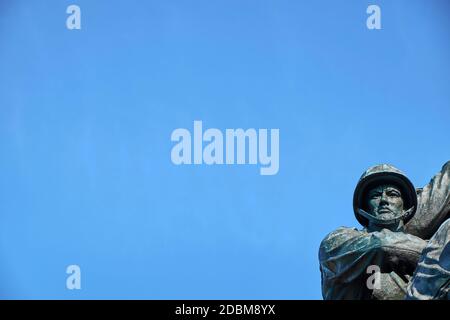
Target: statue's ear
{"points": [[408, 212]]}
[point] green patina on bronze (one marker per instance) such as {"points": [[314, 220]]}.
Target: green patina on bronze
{"points": [[406, 235]]}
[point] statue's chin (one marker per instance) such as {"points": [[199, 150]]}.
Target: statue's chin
{"points": [[386, 216]]}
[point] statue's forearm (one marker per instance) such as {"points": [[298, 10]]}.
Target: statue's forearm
{"points": [[401, 251], [400, 258]]}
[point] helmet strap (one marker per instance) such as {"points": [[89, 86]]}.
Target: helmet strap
{"points": [[386, 222]]}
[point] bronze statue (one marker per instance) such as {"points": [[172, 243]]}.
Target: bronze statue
{"points": [[404, 243]]}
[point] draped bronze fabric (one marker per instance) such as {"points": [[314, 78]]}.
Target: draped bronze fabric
{"points": [[432, 277]]}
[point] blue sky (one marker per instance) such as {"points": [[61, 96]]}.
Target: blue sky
{"points": [[86, 117]]}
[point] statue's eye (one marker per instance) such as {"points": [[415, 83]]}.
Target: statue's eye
{"points": [[393, 194], [375, 195]]}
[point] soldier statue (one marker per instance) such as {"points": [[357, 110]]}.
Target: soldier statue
{"points": [[403, 250]]}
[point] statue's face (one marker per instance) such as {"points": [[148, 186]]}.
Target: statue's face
{"points": [[385, 201]]}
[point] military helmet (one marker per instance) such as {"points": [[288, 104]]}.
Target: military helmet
{"points": [[383, 174]]}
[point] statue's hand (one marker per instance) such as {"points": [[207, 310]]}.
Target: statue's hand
{"points": [[401, 251]]}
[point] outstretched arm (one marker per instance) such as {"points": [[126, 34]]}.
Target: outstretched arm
{"points": [[349, 251], [346, 253], [433, 205]]}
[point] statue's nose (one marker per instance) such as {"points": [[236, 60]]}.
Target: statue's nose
{"points": [[383, 199]]}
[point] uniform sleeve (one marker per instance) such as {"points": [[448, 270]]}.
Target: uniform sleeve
{"points": [[433, 205], [346, 253]]}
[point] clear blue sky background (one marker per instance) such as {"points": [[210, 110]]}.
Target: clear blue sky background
{"points": [[86, 118]]}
